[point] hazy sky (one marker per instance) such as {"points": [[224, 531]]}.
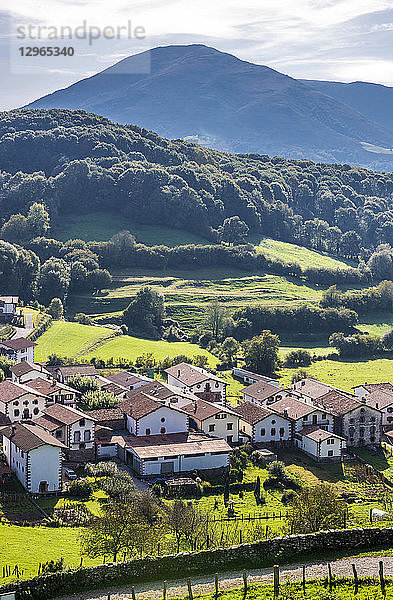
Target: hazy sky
{"points": [[342, 40]]}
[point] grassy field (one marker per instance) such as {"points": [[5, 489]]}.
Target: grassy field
{"points": [[85, 341], [101, 226], [188, 292], [291, 253]]}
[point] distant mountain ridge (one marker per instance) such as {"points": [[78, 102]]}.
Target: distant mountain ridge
{"points": [[206, 95]]}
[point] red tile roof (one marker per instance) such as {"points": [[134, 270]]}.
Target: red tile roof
{"points": [[316, 433], [190, 375], [173, 445], [292, 407], [201, 410], [339, 403], [252, 413], [65, 414], [18, 344], [28, 436], [260, 390]]}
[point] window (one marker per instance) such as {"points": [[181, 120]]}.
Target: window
{"points": [[77, 436], [162, 419], [87, 435], [273, 421], [162, 430], [361, 432], [323, 415], [198, 386], [390, 409], [229, 426], [305, 418], [35, 401], [16, 403], [263, 431], [16, 413], [273, 431], [26, 403], [330, 452], [282, 431], [212, 427], [351, 420], [59, 434], [82, 422], [372, 419], [22, 454], [147, 432], [35, 411], [362, 410], [229, 439]]}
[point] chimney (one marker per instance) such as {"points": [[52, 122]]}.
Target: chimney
{"points": [[178, 372], [285, 412], [13, 430], [195, 406]]}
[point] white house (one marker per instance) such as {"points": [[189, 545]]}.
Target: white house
{"points": [[321, 445], [17, 401], [55, 391], [9, 305], [35, 456], [214, 419], [18, 349], [303, 414], [248, 377], [361, 391], [147, 415], [383, 401], [25, 371], [75, 429], [198, 381], [261, 392], [130, 381], [260, 424], [176, 453]]}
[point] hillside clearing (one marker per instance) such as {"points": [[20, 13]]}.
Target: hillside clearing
{"points": [[291, 253]]}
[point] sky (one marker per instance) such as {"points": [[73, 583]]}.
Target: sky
{"points": [[340, 40]]}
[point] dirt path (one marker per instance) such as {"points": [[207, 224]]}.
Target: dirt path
{"points": [[203, 584]]}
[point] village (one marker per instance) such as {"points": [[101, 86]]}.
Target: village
{"points": [[182, 427]]}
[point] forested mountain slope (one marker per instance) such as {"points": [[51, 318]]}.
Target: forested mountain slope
{"points": [[76, 162], [229, 104]]}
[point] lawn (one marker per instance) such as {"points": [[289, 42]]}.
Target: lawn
{"points": [[291, 253], [28, 546], [69, 339], [101, 226], [345, 374]]}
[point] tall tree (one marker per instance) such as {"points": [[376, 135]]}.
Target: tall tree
{"points": [[261, 353], [233, 231], [145, 314]]}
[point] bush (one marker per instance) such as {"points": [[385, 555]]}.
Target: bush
{"points": [[287, 496], [103, 468], [81, 488]]}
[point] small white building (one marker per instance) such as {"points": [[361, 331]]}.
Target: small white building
{"points": [[9, 305], [74, 428], [198, 381], [35, 457], [19, 402], [260, 424], [147, 415], [248, 377], [214, 419], [261, 392], [18, 349], [176, 453], [363, 390], [321, 445], [25, 371]]}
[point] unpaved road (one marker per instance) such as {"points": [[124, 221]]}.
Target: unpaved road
{"points": [[203, 584]]}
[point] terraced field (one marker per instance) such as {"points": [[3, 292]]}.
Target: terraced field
{"points": [[188, 292]]}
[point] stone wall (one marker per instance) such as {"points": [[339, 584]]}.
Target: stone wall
{"points": [[259, 554]]}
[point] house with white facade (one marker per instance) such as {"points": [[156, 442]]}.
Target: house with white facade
{"points": [[8, 308], [214, 419], [320, 444], [74, 428], [146, 415], [34, 456], [303, 414], [259, 424], [55, 391], [24, 371], [19, 402], [361, 391], [198, 381], [261, 392], [18, 349], [130, 381]]}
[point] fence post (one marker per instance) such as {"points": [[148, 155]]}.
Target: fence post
{"points": [[190, 596], [245, 584], [164, 591], [355, 576], [330, 577], [216, 584], [381, 577], [304, 578], [276, 580], [109, 596], [133, 597]]}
